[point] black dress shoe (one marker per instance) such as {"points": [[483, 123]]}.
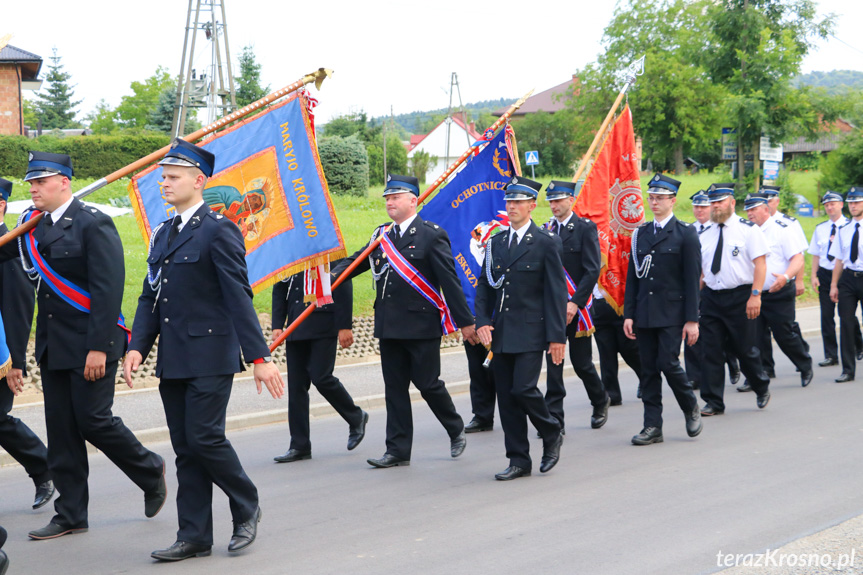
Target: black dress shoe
{"points": [[512, 472], [155, 499], [52, 531], [695, 385], [616, 402], [638, 393], [844, 378], [245, 532], [4, 563], [647, 436], [745, 387], [806, 377], [181, 550], [388, 461], [734, 376], [477, 425], [44, 493], [457, 445], [600, 414], [830, 361], [709, 410], [694, 425], [859, 355], [763, 400], [770, 373], [293, 455], [550, 455], [356, 434]]}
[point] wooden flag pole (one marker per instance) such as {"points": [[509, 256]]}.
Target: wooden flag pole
{"points": [[634, 70], [371, 247], [317, 77]]}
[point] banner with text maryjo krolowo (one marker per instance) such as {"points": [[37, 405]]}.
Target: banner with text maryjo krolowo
{"points": [[268, 180], [471, 209]]}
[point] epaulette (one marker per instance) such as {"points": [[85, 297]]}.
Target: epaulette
{"points": [[687, 224], [431, 224], [787, 217], [545, 231], [781, 224], [747, 222], [827, 221], [843, 225], [215, 215]]}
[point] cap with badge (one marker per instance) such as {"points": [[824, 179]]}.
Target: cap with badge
{"points": [[5, 189], [700, 198], [45, 164], [558, 189], [397, 184], [831, 196], [718, 192], [188, 155], [520, 188], [771, 191], [754, 200], [855, 194], [663, 185]]}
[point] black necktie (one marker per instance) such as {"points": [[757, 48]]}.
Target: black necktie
{"points": [[702, 229], [717, 255], [47, 219], [830, 243], [175, 229], [557, 227], [855, 240], [513, 240], [395, 232], [658, 228]]}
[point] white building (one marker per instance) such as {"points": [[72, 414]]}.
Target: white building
{"points": [[461, 136]]}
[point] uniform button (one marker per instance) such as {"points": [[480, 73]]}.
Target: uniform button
{"points": [[653, 251], [110, 343], [506, 296], [164, 300], [507, 283], [296, 301], [650, 293], [506, 309], [209, 331], [47, 296], [185, 257], [166, 261], [507, 269], [167, 320], [50, 316], [164, 281]]}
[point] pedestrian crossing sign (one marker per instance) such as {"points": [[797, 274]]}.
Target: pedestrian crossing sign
{"points": [[531, 158]]}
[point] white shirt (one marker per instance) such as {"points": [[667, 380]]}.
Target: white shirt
{"points": [[742, 242], [58, 213], [405, 225], [841, 247], [664, 222], [821, 241], [699, 227], [519, 232], [794, 224], [187, 215], [784, 243]]}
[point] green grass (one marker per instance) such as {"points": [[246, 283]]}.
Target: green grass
{"points": [[358, 216]]}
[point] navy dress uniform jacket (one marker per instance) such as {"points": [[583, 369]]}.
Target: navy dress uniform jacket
{"points": [[582, 260], [534, 286], [324, 322], [401, 312], [204, 313], [17, 303], [665, 297], [85, 249]]}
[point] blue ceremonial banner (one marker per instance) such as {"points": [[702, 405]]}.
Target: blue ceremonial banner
{"points": [[268, 180], [471, 209], [5, 358]]}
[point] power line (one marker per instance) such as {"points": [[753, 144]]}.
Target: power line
{"points": [[846, 43]]}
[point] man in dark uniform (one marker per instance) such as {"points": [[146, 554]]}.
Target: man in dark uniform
{"points": [[582, 260], [482, 395], [78, 347], [17, 300], [407, 323], [733, 253], [846, 285], [823, 239], [611, 341], [521, 312], [661, 307], [197, 300], [311, 355]]}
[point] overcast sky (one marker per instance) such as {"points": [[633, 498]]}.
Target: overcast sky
{"points": [[384, 53]]}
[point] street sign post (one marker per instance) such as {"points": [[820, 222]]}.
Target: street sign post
{"points": [[531, 159]]}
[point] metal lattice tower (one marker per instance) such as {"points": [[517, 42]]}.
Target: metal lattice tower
{"points": [[201, 81]]}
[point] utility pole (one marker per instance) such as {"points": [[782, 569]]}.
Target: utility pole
{"points": [[453, 83]]}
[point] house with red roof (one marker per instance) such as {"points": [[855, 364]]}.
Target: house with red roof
{"points": [[461, 135]]}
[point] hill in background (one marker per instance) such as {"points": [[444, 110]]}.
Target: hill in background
{"points": [[420, 122], [834, 82]]}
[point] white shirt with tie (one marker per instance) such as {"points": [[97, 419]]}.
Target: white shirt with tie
{"points": [[841, 247], [784, 243], [821, 241], [742, 242]]}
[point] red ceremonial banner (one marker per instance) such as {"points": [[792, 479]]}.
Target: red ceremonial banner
{"points": [[611, 198]]}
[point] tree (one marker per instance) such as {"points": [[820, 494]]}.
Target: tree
{"points": [[30, 113], [551, 135], [844, 165], [248, 81], [420, 163], [755, 48], [102, 120], [55, 108], [134, 110], [346, 164], [162, 116]]}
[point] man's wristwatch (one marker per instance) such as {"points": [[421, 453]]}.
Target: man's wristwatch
{"points": [[265, 359], [787, 279], [756, 292]]}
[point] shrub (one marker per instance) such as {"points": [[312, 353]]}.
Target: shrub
{"points": [[346, 165]]}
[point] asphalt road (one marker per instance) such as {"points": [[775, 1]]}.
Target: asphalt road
{"points": [[754, 479]]}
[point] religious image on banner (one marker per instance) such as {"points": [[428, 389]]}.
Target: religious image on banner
{"points": [[268, 180], [611, 198], [471, 207]]}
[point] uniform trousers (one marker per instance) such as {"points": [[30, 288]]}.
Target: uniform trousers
{"points": [[611, 341], [850, 295], [581, 356], [777, 315], [20, 442], [311, 361], [660, 354], [516, 376], [414, 360], [196, 411], [481, 383], [79, 411], [828, 323], [723, 318], [693, 355]]}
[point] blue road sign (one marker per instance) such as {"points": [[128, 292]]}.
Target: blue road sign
{"points": [[531, 158]]}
